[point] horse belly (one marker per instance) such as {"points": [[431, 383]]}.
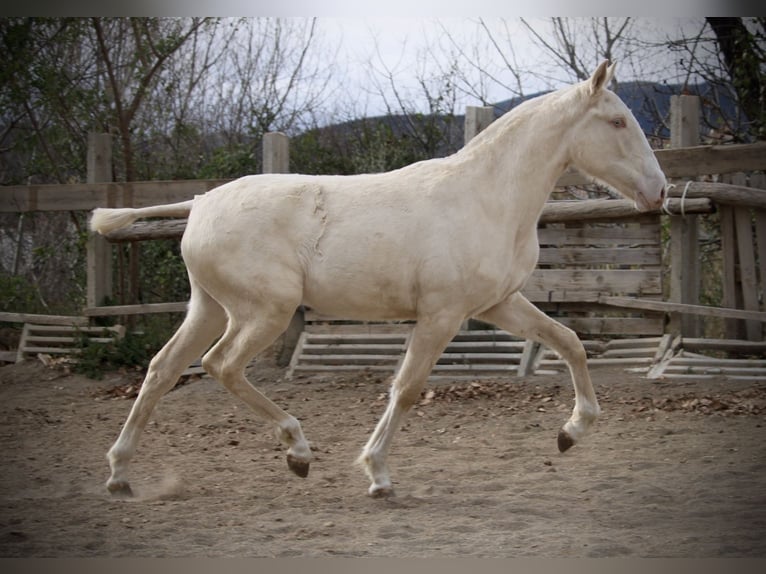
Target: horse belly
{"points": [[360, 293]]}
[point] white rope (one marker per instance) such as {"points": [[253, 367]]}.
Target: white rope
{"points": [[683, 196], [666, 202]]}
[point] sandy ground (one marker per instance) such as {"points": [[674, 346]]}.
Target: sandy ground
{"points": [[672, 469]]}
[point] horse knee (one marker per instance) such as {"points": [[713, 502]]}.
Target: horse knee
{"points": [[213, 365], [573, 351]]}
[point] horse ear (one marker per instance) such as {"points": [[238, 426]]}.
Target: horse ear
{"points": [[610, 73], [600, 78]]}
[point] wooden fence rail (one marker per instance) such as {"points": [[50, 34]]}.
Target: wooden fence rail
{"points": [[676, 163], [573, 279]]}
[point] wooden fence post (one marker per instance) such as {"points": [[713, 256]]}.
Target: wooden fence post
{"points": [[276, 153], [477, 118], [99, 251], [684, 231], [276, 159]]}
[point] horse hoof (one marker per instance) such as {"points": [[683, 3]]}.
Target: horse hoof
{"points": [[299, 467], [565, 441], [381, 492], [120, 489]]}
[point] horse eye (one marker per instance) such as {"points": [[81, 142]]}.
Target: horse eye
{"points": [[619, 122]]}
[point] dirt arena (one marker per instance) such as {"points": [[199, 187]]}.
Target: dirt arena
{"points": [[672, 469]]}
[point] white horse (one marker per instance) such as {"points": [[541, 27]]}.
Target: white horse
{"points": [[436, 242]]}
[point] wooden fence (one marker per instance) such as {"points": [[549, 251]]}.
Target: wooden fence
{"points": [[601, 267]]}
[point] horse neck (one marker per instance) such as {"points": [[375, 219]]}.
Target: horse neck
{"points": [[527, 150]]}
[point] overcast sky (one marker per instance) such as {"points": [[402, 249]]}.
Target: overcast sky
{"points": [[400, 46]]}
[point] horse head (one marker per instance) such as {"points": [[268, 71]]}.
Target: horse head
{"points": [[609, 145]]}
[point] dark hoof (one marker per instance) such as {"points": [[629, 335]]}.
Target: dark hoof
{"points": [[120, 489], [565, 441], [386, 492], [298, 466]]}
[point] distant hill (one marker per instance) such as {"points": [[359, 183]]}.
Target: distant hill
{"points": [[650, 103]]}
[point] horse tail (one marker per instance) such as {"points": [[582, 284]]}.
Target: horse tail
{"points": [[105, 220]]}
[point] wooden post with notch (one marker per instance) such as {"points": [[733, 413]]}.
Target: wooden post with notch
{"points": [[684, 230], [99, 251], [276, 153]]}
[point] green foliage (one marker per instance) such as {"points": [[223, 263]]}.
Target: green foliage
{"points": [[230, 162], [134, 351], [163, 272], [18, 293]]}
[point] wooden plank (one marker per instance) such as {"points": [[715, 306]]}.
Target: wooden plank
{"points": [[146, 230], [683, 360], [712, 369], [675, 163], [38, 328], [530, 358], [59, 340], [658, 367], [87, 196], [646, 256], [746, 252], [352, 349], [488, 346], [734, 329], [340, 368], [665, 341], [347, 359], [650, 342], [612, 235], [759, 180], [730, 345], [719, 193], [599, 361], [701, 376], [345, 338], [636, 352], [685, 270], [598, 326], [670, 307], [6, 317], [472, 358], [713, 159], [613, 209], [141, 309], [604, 280]]}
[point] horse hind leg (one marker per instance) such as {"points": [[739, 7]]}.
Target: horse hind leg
{"points": [[204, 321], [245, 337]]}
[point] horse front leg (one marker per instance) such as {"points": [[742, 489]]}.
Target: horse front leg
{"points": [[520, 317], [429, 338]]}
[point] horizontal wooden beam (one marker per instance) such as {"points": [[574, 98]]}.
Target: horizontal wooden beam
{"points": [[712, 159], [87, 196], [725, 193], [135, 309], [556, 211], [676, 163], [611, 209], [42, 319], [730, 345], [669, 307]]}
